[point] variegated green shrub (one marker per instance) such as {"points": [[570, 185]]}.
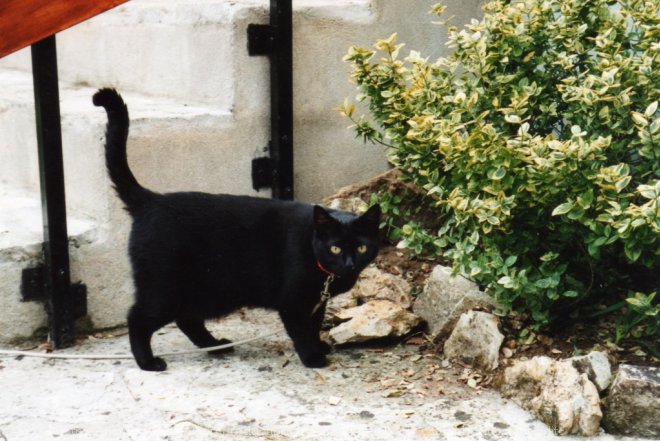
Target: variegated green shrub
{"points": [[537, 144]]}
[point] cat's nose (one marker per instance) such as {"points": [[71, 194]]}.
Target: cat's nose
{"points": [[349, 263]]}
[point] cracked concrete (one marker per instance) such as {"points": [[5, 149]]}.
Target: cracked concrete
{"points": [[261, 391]]}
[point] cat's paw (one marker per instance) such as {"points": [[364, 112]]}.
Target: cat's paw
{"points": [[315, 360], [155, 365], [223, 341], [323, 347]]}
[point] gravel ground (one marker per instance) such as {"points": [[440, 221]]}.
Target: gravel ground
{"points": [[259, 392]]}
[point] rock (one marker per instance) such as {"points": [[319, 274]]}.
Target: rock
{"points": [[391, 180], [375, 284], [556, 393], [339, 303], [375, 319], [597, 367], [633, 406], [351, 204], [476, 340], [445, 298]]}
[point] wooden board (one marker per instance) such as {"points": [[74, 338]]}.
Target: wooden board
{"points": [[23, 22]]}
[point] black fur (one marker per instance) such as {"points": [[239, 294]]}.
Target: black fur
{"points": [[197, 256]]}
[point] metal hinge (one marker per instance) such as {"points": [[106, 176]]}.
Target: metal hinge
{"points": [[33, 289], [261, 39], [262, 173]]}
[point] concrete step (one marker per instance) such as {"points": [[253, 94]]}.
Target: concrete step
{"points": [[192, 51], [180, 49], [21, 237], [171, 146]]}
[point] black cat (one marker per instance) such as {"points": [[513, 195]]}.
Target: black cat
{"points": [[197, 256]]}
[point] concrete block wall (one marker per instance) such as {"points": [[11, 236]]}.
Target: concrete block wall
{"points": [[199, 114]]}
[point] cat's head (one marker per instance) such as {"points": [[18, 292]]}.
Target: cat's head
{"points": [[344, 244]]}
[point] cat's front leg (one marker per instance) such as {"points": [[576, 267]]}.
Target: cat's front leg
{"points": [[317, 321], [302, 330]]}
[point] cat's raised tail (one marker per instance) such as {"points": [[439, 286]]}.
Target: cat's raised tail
{"points": [[129, 190]]}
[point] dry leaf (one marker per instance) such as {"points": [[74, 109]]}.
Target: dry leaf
{"points": [[409, 373], [392, 393], [417, 341]]}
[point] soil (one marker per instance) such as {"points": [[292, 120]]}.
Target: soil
{"points": [[571, 340]]}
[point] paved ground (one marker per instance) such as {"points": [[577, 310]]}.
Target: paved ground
{"points": [[259, 392]]}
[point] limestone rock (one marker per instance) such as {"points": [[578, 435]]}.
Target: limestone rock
{"points": [[445, 298], [375, 319], [556, 393], [339, 303], [597, 367], [375, 284], [476, 340], [633, 406], [350, 204]]}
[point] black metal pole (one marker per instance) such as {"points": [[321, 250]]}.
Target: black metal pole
{"points": [[281, 74], [53, 204], [275, 40]]}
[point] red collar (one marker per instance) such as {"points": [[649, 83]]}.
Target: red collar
{"points": [[322, 268]]}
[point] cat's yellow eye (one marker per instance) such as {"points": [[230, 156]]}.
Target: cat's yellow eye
{"points": [[362, 249], [335, 250]]}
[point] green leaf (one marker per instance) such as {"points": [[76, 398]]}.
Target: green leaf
{"points": [[562, 209], [575, 213], [543, 283], [493, 220], [639, 119], [632, 252], [650, 110], [510, 261], [505, 281], [498, 174], [549, 256], [622, 183], [585, 199], [512, 118]]}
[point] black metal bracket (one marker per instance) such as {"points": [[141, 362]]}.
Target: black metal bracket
{"points": [[262, 173], [33, 289], [261, 39], [64, 302], [275, 41]]}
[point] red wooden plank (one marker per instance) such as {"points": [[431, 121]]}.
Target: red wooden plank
{"points": [[23, 22]]}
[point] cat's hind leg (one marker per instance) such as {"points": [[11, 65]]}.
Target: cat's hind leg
{"points": [[141, 327], [195, 330]]}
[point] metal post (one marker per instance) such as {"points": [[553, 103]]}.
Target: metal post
{"points": [[281, 82], [53, 204], [275, 40]]}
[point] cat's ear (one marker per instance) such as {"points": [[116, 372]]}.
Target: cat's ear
{"points": [[370, 220], [322, 219]]}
